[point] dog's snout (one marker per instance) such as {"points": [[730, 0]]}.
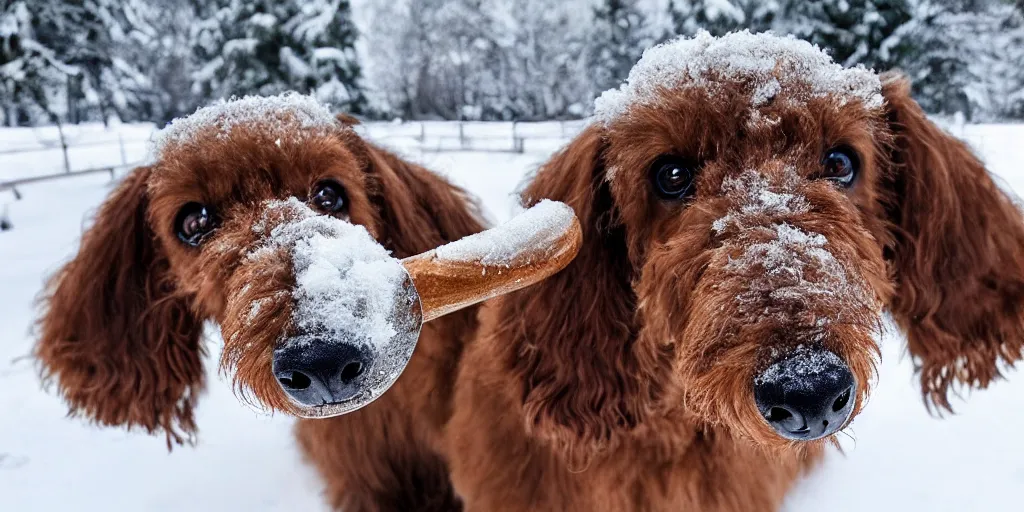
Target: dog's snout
{"points": [[317, 372], [806, 396]]}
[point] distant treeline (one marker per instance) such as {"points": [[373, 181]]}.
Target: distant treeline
{"points": [[153, 60]]}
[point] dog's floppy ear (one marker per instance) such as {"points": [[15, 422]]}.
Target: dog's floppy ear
{"points": [[121, 346], [578, 387], [958, 254], [420, 210]]}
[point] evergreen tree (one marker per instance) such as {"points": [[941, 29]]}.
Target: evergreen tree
{"points": [[955, 51], [63, 58], [853, 31], [30, 70], [92, 35], [537, 69], [720, 17], [938, 48], [162, 51], [617, 41], [267, 47], [1006, 67]]}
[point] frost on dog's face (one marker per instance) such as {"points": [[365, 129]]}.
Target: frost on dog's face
{"points": [[264, 209], [353, 314], [759, 159]]}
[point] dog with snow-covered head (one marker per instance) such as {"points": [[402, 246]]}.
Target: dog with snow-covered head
{"points": [[750, 210], [244, 219]]}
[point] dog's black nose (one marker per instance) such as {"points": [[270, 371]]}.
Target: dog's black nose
{"points": [[806, 396], [317, 372]]}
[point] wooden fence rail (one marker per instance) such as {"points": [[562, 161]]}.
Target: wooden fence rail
{"points": [[426, 137]]}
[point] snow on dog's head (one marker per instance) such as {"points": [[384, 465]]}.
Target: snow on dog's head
{"points": [[765, 65], [291, 117]]}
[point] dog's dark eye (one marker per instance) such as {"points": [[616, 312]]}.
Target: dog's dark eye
{"points": [[195, 221], [840, 166], [329, 197], [672, 178]]}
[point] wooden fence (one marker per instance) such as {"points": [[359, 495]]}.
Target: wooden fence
{"points": [[426, 136]]}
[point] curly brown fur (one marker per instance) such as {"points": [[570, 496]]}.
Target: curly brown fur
{"points": [[116, 334], [958, 255], [122, 321], [626, 381]]}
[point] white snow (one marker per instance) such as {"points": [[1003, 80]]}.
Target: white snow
{"points": [[781, 261], [768, 63], [902, 458], [802, 361], [507, 245], [288, 116], [346, 284], [335, 54], [760, 200], [782, 265]]}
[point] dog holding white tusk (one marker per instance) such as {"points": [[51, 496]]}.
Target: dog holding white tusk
{"points": [[311, 248], [356, 312]]}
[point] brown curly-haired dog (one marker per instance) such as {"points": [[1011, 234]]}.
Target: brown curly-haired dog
{"points": [[173, 247], [750, 210]]}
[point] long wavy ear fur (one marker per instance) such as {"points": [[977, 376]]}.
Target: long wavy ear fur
{"points": [[958, 255], [420, 210], [573, 359], [122, 347]]}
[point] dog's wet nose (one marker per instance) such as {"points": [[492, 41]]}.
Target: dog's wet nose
{"points": [[316, 372], [806, 396]]}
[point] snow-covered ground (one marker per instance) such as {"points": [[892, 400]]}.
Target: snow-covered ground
{"points": [[902, 458]]}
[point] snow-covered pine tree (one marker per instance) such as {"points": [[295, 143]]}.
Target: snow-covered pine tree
{"points": [[853, 31], [64, 58], [92, 35], [539, 71], [460, 54], [267, 47], [160, 48], [939, 47], [32, 73], [436, 60], [721, 16], [618, 38], [954, 50], [1006, 76], [398, 58]]}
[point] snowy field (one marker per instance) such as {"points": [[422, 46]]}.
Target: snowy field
{"points": [[901, 459]]}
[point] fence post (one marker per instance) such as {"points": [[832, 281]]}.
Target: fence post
{"points": [[5, 220], [423, 133], [120, 142], [517, 141], [462, 137], [64, 147]]}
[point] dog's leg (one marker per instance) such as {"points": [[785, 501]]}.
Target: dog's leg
{"points": [[372, 460]]}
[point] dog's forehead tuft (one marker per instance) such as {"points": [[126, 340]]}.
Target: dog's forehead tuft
{"points": [[767, 63], [286, 116]]}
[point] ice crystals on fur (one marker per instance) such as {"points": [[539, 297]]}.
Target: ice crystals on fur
{"points": [[767, 63], [799, 364], [783, 263], [284, 116], [347, 285]]}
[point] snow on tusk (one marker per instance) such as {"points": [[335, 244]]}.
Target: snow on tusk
{"points": [[525, 250]]}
